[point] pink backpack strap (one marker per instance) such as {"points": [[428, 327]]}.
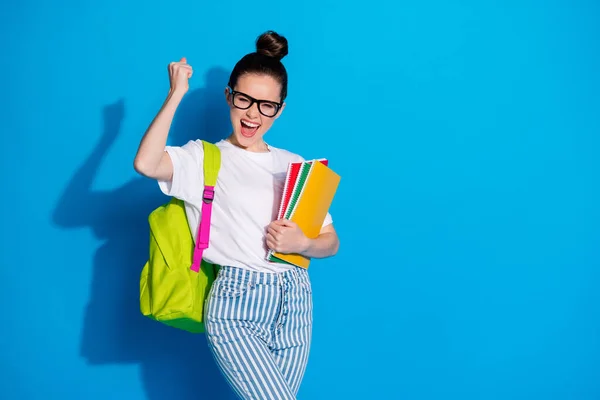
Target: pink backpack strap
{"points": [[203, 227], [212, 163]]}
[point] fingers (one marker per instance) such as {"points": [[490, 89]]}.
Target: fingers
{"points": [[188, 70], [285, 223], [182, 62], [185, 69], [272, 242], [276, 231], [182, 65], [275, 228], [274, 235]]}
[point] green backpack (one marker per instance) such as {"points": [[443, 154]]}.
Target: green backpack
{"points": [[175, 281]]}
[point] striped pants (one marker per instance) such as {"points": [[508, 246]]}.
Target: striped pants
{"points": [[258, 327]]}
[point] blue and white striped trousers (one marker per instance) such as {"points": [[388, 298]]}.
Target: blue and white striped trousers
{"points": [[259, 327]]}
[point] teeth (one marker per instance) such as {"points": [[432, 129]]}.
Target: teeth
{"points": [[249, 124]]}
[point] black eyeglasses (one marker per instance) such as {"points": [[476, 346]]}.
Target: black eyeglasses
{"points": [[243, 102]]}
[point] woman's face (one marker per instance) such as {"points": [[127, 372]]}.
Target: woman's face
{"points": [[248, 122]]}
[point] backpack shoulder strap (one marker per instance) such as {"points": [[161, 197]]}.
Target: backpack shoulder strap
{"points": [[212, 164]]}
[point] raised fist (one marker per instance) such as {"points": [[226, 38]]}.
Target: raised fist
{"points": [[179, 73]]}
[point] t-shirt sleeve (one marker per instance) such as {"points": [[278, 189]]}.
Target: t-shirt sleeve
{"points": [[188, 175], [328, 220]]}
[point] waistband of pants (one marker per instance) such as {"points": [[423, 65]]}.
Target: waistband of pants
{"points": [[295, 274]]}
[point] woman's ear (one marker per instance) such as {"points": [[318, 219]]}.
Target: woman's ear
{"points": [[227, 95], [280, 111]]}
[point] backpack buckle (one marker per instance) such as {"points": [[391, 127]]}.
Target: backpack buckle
{"points": [[209, 194]]}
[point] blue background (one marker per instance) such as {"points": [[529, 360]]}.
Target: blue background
{"points": [[467, 137]]}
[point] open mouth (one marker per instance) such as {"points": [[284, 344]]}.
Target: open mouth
{"points": [[249, 128]]}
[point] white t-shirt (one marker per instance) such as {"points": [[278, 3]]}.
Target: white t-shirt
{"points": [[247, 197]]}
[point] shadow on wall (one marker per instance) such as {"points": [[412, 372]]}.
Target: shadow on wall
{"points": [[174, 363]]}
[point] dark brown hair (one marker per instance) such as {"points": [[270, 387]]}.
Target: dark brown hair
{"points": [[270, 49]]}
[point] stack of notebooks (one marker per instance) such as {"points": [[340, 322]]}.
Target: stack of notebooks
{"points": [[307, 195]]}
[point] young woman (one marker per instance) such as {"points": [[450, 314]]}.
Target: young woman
{"points": [[258, 314]]}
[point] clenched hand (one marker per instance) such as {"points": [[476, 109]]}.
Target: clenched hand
{"points": [[179, 73], [284, 236]]}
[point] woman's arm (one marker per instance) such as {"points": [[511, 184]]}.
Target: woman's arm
{"points": [[326, 244], [285, 236], [151, 160]]}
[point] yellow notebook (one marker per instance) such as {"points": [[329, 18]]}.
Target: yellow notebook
{"points": [[307, 197]]}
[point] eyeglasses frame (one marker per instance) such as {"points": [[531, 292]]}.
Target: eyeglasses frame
{"points": [[253, 100]]}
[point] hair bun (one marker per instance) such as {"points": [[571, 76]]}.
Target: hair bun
{"points": [[271, 44]]}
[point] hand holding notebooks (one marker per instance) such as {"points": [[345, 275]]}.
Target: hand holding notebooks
{"points": [[307, 195]]}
